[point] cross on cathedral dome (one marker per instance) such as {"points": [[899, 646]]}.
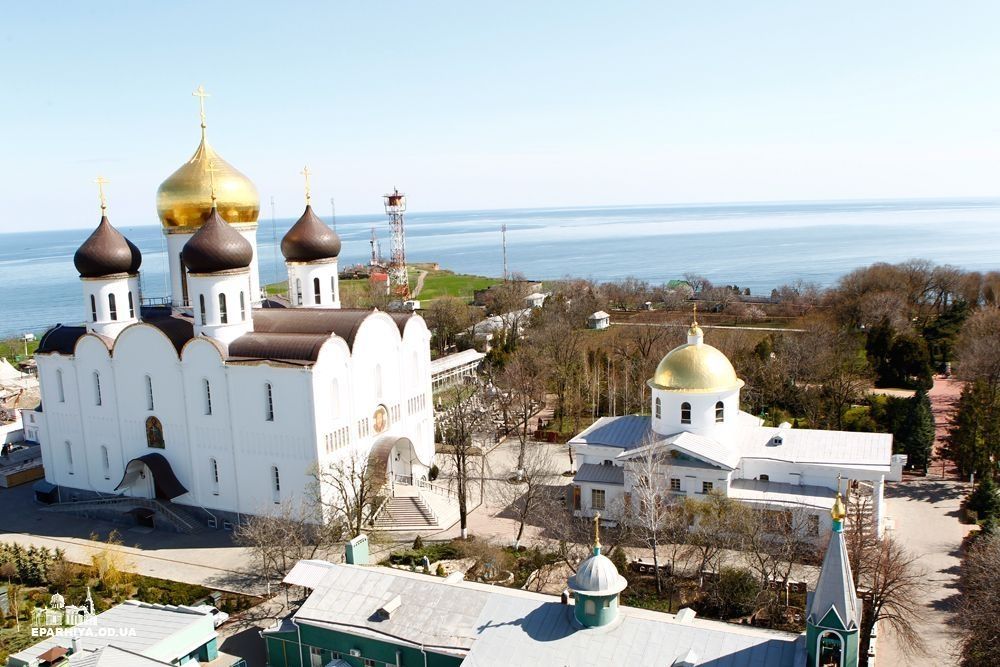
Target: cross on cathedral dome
{"points": [[696, 367]]}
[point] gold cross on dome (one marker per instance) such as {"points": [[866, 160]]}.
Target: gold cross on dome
{"points": [[694, 311], [305, 172], [101, 182], [211, 170], [597, 529], [201, 95]]}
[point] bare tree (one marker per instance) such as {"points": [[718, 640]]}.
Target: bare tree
{"points": [[348, 491], [447, 317], [652, 509], [522, 390], [467, 420], [530, 492], [715, 527]]}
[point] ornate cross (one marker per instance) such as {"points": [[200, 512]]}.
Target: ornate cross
{"points": [[101, 182], [201, 95], [597, 529], [305, 172], [694, 316], [211, 176]]}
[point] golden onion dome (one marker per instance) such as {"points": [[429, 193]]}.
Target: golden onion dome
{"points": [[695, 367], [838, 511], [185, 198]]}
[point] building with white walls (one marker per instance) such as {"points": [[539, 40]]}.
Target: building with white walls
{"points": [[697, 441], [221, 403]]}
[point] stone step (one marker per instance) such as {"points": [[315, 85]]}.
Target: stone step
{"points": [[408, 512]]}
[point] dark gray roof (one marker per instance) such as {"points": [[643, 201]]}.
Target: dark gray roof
{"points": [[627, 432], [277, 346], [599, 474], [310, 240], [344, 322], [60, 339], [106, 252]]}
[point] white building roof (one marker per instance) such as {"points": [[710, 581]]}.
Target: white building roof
{"points": [[781, 493], [457, 360], [112, 656], [599, 315], [493, 626], [625, 432], [149, 627]]}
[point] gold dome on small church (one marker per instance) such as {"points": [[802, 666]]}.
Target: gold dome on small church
{"points": [[185, 198], [695, 367]]}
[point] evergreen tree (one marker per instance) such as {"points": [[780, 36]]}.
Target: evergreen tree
{"points": [[915, 435], [974, 438], [985, 501]]}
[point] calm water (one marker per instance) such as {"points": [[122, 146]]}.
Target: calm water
{"points": [[756, 245]]}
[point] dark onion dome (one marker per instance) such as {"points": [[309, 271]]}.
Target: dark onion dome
{"points": [[216, 247], [106, 252], [310, 240]]}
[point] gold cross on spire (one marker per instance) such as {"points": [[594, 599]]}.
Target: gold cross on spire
{"points": [[101, 182], [211, 177], [305, 172], [201, 95], [694, 316], [597, 530]]}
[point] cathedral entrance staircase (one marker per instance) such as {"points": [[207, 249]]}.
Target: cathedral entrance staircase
{"points": [[415, 508], [164, 514]]}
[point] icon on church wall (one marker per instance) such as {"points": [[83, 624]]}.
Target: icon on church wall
{"points": [[381, 419], [154, 433]]}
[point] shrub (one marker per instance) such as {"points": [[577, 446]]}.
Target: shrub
{"points": [[733, 593], [433, 472], [984, 500], [418, 543]]}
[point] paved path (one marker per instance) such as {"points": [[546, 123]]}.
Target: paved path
{"points": [[675, 325], [925, 512], [944, 399]]}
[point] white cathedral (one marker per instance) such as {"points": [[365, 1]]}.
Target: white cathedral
{"points": [[697, 441], [218, 398]]}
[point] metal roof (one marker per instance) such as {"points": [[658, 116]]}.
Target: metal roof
{"points": [[452, 361], [600, 474], [112, 656], [781, 493], [815, 446], [625, 432], [835, 587]]}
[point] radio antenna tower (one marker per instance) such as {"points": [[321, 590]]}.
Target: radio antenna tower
{"points": [[503, 235], [375, 260], [333, 214], [395, 207]]}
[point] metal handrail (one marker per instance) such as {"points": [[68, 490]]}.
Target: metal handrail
{"points": [[437, 488]]}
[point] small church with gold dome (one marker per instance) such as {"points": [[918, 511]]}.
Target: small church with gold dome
{"points": [[697, 441], [217, 402]]}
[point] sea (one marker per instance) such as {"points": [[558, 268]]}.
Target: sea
{"points": [[755, 245]]}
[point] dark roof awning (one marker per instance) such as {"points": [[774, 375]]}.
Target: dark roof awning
{"points": [[164, 480], [43, 486]]}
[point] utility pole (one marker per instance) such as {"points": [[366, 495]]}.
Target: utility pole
{"points": [[503, 236]]}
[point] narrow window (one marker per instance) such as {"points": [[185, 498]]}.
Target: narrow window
{"points": [[184, 278], [298, 291], [597, 499], [131, 306], [60, 391], [201, 307], [149, 393], [105, 462], [659, 407], [275, 484], [97, 388], [69, 456], [685, 413], [243, 307], [214, 469], [223, 315], [720, 412], [208, 397], [269, 405], [93, 308], [112, 307], [333, 289], [316, 297]]}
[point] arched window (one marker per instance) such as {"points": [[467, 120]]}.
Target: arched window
{"points": [[720, 412], [243, 307], [149, 393], [298, 291], [184, 278], [275, 484], [208, 396], [105, 462], [589, 607], [333, 289], [60, 390], [223, 314], [131, 306], [154, 433], [213, 467], [685, 413], [93, 308], [831, 649], [269, 404], [69, 457], [316, 297], [97, 388], [112, 307], [658, 409], [201, 307]]}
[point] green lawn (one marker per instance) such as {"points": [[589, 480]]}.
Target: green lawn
{"points": [[14, 348], [446, 283]]}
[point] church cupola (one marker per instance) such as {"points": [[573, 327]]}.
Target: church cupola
{"points": [[596, 586], [184, 202], [834, 611], [108, 264], [217, 259], [311, 249]]}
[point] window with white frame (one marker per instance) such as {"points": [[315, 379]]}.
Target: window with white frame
{"points": [[201, 307], [207, 386], [333, 289], [93, 308], [213, 467], [675, 484], [317, 298], [60, 389], [685, 413], [706, 487], [275, 484], [69, 457], [597, 499], [131, 305], [149, 393], [112, 307], [105, 462], [269, 403], [720, 412], [223, 312], [659, 407], [97, 388], [243, 307], [298, 291]]}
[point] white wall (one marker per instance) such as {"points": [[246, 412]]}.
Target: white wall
{"points": [[307, 273]]}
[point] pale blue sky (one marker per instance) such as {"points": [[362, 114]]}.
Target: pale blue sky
{"points": [[499, 105]]}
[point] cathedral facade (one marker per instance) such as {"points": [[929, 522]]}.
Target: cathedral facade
{"points": [[219, 398]]}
